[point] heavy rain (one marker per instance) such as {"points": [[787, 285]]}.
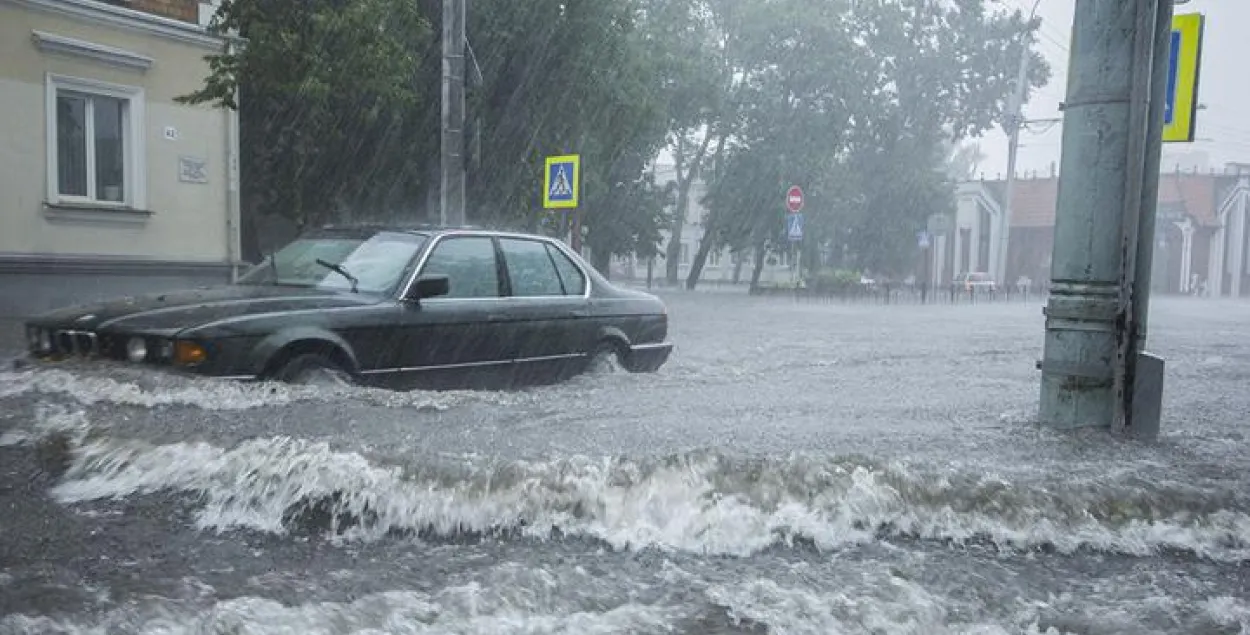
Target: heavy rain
{"points": [[627, 316]]}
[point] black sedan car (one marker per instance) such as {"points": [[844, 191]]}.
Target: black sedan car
{"points": [[396, 307]]}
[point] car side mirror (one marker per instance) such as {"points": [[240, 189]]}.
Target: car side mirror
{"points": [[429, 287]]}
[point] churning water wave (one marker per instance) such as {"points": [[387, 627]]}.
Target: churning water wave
{"points": [[702, 502]]}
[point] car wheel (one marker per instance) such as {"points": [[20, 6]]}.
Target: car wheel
{"points": [[605, 359], [312, 369]]}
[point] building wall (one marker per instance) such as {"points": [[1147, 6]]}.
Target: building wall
{"points": [[183, 225]]}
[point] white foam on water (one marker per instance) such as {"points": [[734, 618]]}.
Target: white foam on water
{"points": [[877, 604], [698, 503], [458, 610], [1229, 612], [213, 394]]}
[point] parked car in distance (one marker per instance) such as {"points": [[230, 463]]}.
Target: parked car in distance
{"points": [[402, 308], [975, 282]]}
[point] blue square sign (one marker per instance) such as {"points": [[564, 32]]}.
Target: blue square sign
{"points": [[560, 181]]}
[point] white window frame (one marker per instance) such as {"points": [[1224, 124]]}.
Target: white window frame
{"points": [[134, 150]]}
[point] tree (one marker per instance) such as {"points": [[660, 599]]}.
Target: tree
{"points": [[962, 161], [340, 108], [335, 113], [856, 102]]}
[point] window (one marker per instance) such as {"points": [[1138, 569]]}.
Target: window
{"points": [[95, 146], [469, 263], [571, 275], [377, 262], [685, 253], [530, 268]]}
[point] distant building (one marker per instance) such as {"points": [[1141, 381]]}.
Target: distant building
{"points": [[108, 186], [1202, 242]]}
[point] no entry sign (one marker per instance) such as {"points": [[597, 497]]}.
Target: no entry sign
{"points": [[794, 199]]}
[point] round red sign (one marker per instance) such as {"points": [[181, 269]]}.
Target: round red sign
{"points": [[794, 199]]}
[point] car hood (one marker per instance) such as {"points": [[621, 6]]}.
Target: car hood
{"points": [[184, 309]]}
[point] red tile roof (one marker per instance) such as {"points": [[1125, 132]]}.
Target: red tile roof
{"points": [[1035, 200]]}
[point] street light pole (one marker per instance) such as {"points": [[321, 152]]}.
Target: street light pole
{"points": [[451, 188], [1110, 141], [1014, 122]]}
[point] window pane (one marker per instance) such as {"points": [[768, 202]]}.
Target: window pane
{"points": [[469, 264], [71, 144], [109, 161], [574, 281], [378, 262], [531, 270]]}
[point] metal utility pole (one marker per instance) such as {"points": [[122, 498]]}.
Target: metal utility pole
{"points": [[1111, 147], [451, 190], [1014, 122]]}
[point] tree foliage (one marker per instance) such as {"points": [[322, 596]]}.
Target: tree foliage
{"points": [[335, 115], [858, 101]]}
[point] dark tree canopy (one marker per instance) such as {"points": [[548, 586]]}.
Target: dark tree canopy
{"points": [[857, 100]]}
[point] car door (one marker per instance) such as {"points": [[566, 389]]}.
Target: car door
{"points": [[463, 335], [547, 304]]}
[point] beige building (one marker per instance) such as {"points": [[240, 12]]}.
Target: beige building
{"points": [[107, 185]]}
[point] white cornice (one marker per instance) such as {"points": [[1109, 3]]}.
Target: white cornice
{"points": [[95, 12], [121, 58]]}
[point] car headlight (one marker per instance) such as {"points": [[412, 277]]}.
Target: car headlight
{"points": [[40, 340], [136, 349]]}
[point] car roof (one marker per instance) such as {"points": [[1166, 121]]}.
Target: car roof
{"points": [[419, 230]]}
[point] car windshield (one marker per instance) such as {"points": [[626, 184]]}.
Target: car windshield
{"points": [[377, 262]]}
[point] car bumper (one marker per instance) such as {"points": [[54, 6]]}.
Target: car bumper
{"points": [[647, 358]]}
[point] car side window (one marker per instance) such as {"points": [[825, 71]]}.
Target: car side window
{"points": [[530, 268], [469, 264], [570, 275]]}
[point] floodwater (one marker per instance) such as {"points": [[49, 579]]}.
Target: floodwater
{"points": [[796, 468]]}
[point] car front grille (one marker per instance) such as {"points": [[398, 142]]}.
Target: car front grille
{"points": [[81, 343]]}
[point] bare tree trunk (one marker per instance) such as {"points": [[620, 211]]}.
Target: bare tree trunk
{"points": [[738, 262], [684, 183], [601, 259], [760, 252], [709, 222], [700, 258]]}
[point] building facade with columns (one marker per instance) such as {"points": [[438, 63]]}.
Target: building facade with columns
{"points": [[1202, 241]]}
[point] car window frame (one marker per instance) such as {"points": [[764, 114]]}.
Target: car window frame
{"points": [[502, 282], [544, 245], [433, 241]]}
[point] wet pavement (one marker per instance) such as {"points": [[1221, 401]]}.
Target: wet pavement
{"points": [[795, 468]]}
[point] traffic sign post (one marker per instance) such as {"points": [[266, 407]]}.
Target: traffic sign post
{"points": [[794, 227], [924, 241], [794, 199], [1180, 104], [561, 189]]}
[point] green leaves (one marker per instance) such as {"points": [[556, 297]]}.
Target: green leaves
{"points": [[858, 103], [855, 100]]}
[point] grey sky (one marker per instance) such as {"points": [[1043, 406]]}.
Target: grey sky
{"points": [[1223, 128]]}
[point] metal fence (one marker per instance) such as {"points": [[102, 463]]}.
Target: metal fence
{"points": [[882, 293]]}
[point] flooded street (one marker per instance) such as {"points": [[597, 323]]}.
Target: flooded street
{"points": [[795, 468]]}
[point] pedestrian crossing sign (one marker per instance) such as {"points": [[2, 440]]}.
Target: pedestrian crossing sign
{"points": [[560, 181]]}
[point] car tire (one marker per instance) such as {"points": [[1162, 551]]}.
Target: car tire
{"points": [[312, 369], [605, 359]]}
